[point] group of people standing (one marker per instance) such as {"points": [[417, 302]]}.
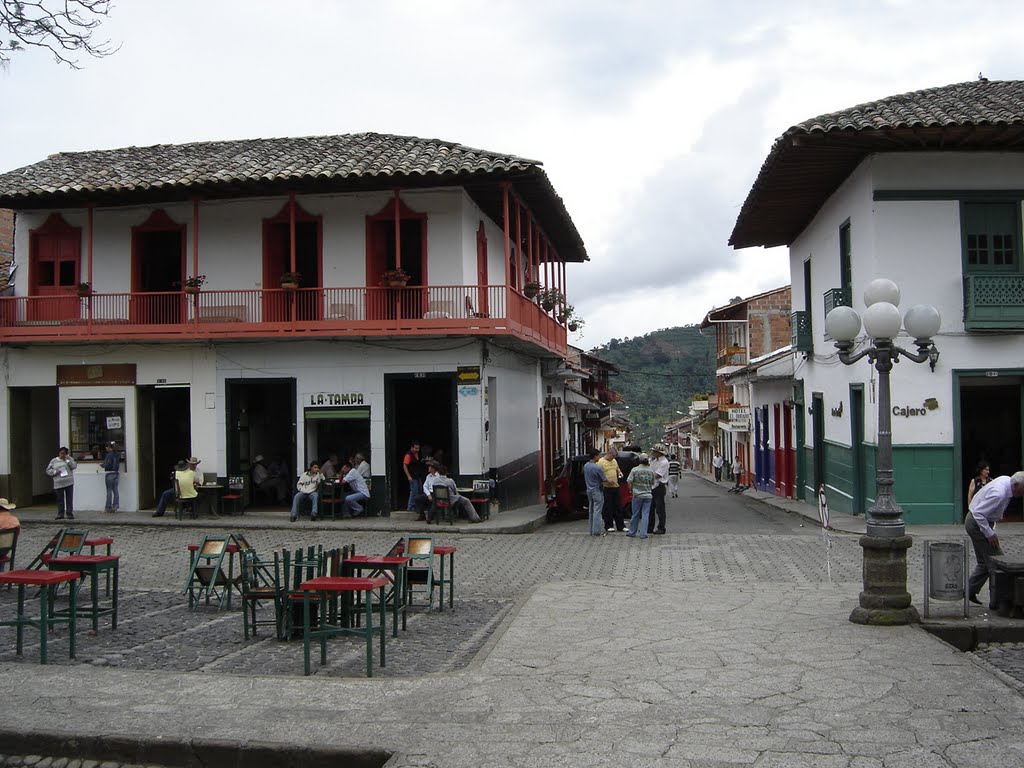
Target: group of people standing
{"points": [[649, 482]]}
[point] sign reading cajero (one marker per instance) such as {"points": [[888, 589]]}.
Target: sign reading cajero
{"points": [[95, 375], [333, 399]]}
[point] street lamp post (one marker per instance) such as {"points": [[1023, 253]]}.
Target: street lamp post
{"points": [[885, 599]]}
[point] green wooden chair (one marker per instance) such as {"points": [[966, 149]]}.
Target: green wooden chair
{"points": [[67, 541], [262, 584], [298, 566], [419, 575], [206, 576]]}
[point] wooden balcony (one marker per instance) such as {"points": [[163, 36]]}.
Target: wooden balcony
{"points": [[994, 302], [731, 357], [275, 314]]}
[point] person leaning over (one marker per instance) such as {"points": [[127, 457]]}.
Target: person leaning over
{"points": [[308, 487], [593, 478], [987, 508], [62, 469], [360, 492]]}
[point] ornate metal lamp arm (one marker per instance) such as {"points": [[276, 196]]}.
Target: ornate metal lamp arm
{"points": [[926, 351], [845, 347]]}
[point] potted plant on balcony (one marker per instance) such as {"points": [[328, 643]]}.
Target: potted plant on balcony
{"points": [[531, 289], [84, 289], [193, 283], [576, 324], [565, 313], [290, 280], [550, 298], [394, 278]]}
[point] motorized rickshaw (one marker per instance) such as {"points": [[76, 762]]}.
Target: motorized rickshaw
{"points": [[569, 500]]}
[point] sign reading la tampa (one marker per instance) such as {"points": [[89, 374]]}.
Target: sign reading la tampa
{"points": [[332, 399]]}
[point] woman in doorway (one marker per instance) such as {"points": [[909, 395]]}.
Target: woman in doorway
{"points": [[981, 477], [62, 469]]}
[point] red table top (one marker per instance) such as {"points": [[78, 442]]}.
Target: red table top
{"points": [[378, 559], [60, 562], [443, 550], [342, 584], [98, 542], [38, 578], [195, 548]]}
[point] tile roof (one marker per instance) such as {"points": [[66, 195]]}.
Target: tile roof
{"points": [[212, 163], [306, 165], [811, 159]]}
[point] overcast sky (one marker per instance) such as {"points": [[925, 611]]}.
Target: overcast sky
{"points": [[651, 118]]}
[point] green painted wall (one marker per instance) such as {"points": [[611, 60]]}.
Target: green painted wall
{"points": [[923, 475]]}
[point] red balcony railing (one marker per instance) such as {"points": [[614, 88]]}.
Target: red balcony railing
{"points": [[254, 313]]}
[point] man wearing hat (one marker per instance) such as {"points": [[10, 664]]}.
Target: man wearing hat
{"points": [[184, 477], [267, 480], [659, 465], [7, 520]]}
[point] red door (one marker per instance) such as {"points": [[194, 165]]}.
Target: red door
{"points": [[55, 251]]}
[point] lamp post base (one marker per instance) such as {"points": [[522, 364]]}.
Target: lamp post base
{"points": [[885, 600]]}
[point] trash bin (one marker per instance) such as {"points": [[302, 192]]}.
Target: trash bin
{"points": [[945, 572]]}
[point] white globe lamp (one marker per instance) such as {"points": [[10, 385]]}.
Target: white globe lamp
{"points": [[843, 323], [882, 289], [922, 321], [882, 320]]}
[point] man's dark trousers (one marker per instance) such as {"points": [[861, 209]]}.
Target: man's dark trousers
{"points": [[658, 508], [612, 509]]}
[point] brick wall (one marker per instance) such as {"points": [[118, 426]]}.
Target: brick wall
{"points": [[768, 318]]}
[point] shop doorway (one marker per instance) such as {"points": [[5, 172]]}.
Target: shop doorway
{"points": [[34, 438], [261, 422], [165, 437], [418, 407], [990, 430], [342, 431]]}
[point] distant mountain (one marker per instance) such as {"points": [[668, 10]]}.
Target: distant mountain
{"points": [[660, 371]]}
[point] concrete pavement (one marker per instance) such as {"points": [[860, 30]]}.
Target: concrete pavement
{"points": [[683, 650]]}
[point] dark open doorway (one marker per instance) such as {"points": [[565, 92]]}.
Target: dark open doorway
{"points": [[261, 422], [158, 265], [277, 260], [341, 431], [418, 407], [990, 429]]}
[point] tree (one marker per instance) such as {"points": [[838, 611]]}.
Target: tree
{"points": [[63, 27]]}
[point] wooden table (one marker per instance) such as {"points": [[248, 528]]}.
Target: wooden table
{"points": [[324, 588], [92, 566], [381, 565], [48, 582], [209, 497]]}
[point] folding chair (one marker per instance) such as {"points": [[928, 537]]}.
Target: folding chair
{"points": [[8, 547], [419, 575], [442, 504], [206, 574], [67, 541]]}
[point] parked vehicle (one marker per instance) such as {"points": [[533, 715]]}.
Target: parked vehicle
{"points": [[569, 501]]}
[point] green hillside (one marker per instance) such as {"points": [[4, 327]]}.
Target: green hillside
{"points": [[660, 372]]}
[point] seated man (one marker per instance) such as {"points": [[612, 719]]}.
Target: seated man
{"points": [[359, 462], [269, 480], [421, 501], [184, 476], [329, 468], [308, 487], [458, 502], [353, 504]]}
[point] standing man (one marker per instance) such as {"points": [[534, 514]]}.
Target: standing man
{"points": [[659, 466], [718, 462], [641, 482], [308, 487], [593, 478], [737, 472], [987, 508], [613, 520], [415, 472], [62, 469]]}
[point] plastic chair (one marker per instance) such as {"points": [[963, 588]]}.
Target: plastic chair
{"points": [[420, 571]]}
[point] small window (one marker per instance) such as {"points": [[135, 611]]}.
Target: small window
{"points": [[990, 232], [846, 261], [94, 423]]}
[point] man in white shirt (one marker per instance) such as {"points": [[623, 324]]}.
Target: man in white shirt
{"points": [[353, 504], [718, 462], [987, 508], [659, 466], [440, 477], [308, 487]]}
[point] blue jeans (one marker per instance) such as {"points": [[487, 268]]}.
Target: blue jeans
{"points": [[596, 497], [165, 498], [113, 500], [641, 515], [353, 504], [314, 499], [415, 488]]}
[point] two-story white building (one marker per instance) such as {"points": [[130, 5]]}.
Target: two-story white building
{"points": [[925, 189], [290, 297]]}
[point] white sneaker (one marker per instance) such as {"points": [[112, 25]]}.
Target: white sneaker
{"points": [[611, 530]]}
